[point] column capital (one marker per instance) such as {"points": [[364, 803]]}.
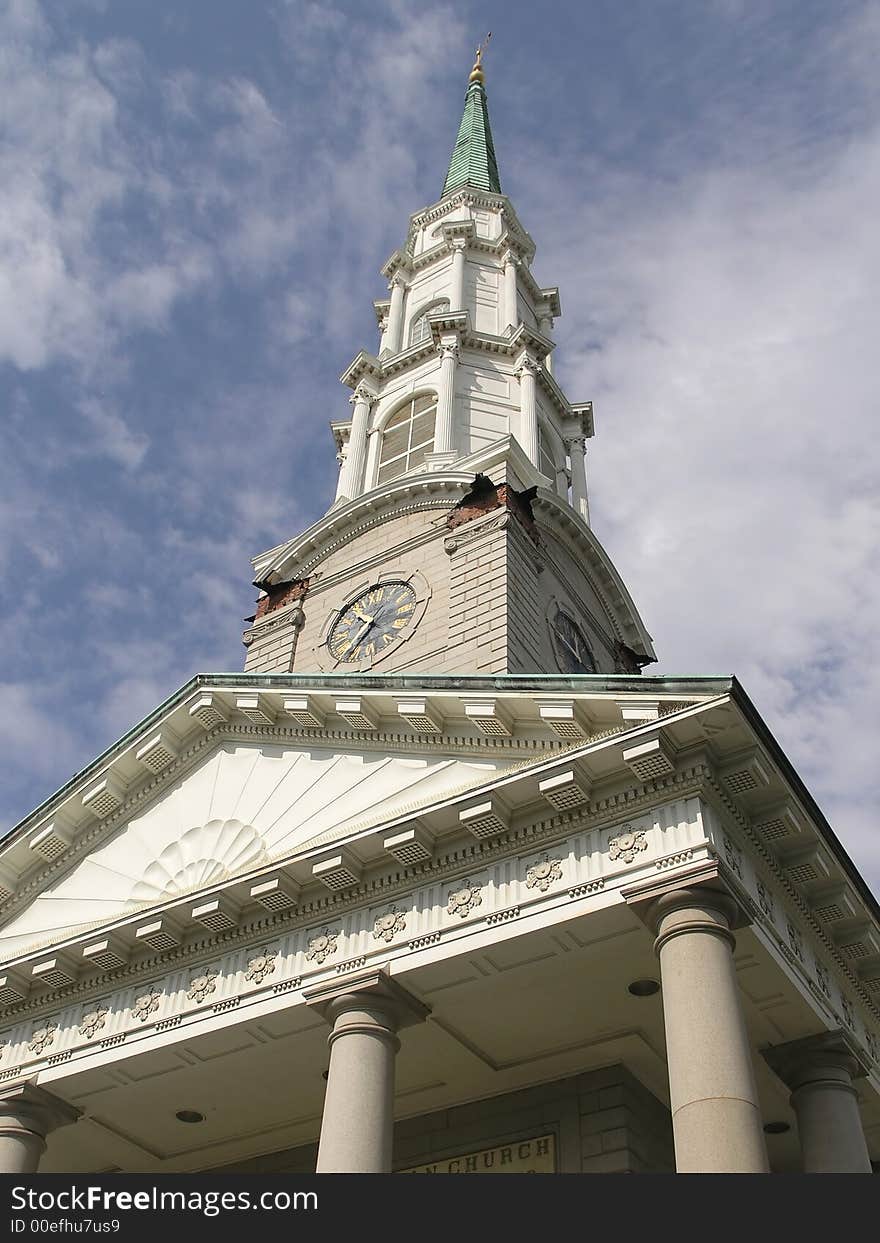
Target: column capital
{"points": [[526, 364], [26, 1107], [823, 1056], [699, 886], [449, 349], [373, 989], [362, 393], [510, 258], [398, 280]]}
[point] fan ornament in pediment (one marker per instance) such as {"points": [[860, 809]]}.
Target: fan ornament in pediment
{"points": [[204, 855]]}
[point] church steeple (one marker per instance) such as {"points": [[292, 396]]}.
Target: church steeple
{"points": [[473, 160], [459, 538]]}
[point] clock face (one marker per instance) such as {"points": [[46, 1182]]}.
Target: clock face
{"points": [[572, 650], [370, 624]]}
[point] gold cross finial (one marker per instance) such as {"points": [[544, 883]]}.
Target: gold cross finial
{"points": [[477, 71]]}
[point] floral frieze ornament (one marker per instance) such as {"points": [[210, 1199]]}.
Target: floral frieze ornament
{"points": [[626, 844], [542, 874], [873, 1045], [43, 1037], [201, 985], [92, 1021], [822, 979], [462, 901], [146, 1004], [734, 856], [260, 966], [765, 899], [387, 926], [322, 946]]}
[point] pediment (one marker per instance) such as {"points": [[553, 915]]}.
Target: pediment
{"points": [[245, 805]]}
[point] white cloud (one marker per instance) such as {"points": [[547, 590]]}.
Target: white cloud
{"points": [[725, 321]]}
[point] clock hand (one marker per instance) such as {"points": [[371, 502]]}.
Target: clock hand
{"points": [[363, 631]]}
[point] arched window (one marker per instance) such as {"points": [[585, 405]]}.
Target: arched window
{"points": [[407, 437], [420, 329]]}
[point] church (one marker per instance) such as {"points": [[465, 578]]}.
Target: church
{"points": [[445, 880]]}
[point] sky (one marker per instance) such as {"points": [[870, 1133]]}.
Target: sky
{"points": [[195, 201]]}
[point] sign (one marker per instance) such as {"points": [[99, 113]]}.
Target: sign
{"points": [[525, 1156]]}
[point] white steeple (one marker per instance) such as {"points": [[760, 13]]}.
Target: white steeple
{"points": [[464, 357]]}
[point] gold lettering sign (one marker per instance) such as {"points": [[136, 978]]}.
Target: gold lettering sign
{"points": [[525, 1156]]}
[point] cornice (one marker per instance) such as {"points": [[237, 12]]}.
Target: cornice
{"points": [[458, 859], [727, 807], [571, 527]]}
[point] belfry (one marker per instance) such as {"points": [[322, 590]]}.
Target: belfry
{"points": [[444, 881]]}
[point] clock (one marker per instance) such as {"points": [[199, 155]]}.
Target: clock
{"points": [[368, 625], [573, 653]]}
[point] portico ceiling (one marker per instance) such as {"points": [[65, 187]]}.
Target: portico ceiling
{"points": [[516, 1011]]}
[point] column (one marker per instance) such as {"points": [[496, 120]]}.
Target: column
{"points": [[526, 372], [444, 430], [545, 327], [456, 292], [820, 1070], [577, 448], [383, 334], [511, 307], [365, 1012], [27, 1115], [394, 331], [716, 1120], [351, 475]]}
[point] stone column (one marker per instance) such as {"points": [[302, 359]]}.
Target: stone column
{"points": [[577, 448], [366, 1012], [394, 331], [511, 307], [351, 476], [526, 372], [820, 1070], [27, 1115], [456, 292], [716, 1119], [444, 430]]}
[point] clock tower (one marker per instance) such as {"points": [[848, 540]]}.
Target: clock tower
{"points": [[459, 540]]}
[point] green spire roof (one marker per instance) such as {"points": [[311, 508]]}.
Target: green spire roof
{"points": [[473, 160]]}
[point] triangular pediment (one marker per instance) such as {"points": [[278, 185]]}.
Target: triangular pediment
{"points": [[241, 807]]}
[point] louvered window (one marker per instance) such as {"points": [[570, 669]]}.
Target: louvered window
{"points": [[421, 329], [408, 437]]}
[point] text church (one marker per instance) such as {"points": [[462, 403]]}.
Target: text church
{"points": [[443, 881]]}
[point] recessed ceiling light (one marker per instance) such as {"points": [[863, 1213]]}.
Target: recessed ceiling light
{"points": [[189, 1115], [644, 988], [776, 1128]]}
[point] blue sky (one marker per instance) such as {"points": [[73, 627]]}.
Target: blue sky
{"points": [[195, 200]]}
